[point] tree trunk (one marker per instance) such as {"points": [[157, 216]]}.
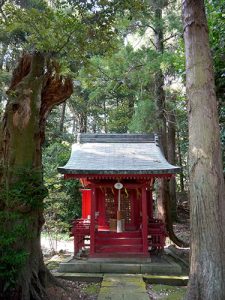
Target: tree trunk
{"points": [[4, 47], [32, 94], [171, 143], [62, 120], [163, 201], [207, 194], [180, 162], [160, 108]]}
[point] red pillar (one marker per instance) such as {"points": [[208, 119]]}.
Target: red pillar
{"points": [[92, 226], [144, 220], [86, 203]]}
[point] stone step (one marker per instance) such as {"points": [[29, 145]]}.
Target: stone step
{"points": [[162, 266]]}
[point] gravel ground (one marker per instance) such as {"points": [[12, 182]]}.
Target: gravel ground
{"points": [[165, 292], [74, 290]]}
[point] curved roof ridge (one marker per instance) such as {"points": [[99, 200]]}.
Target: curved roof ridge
{"points": [[117, 154]]}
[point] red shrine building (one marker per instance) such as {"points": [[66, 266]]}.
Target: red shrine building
{"points": [[117, 173]]}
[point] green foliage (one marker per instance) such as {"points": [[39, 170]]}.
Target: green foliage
{"points": [[26, 189], [72, 32], [12, 253], [62, 204], [119, 118], [143, 120]]}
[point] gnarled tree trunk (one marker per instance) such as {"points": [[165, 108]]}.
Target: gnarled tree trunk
{"points": [[207, 194], [33, 92]]}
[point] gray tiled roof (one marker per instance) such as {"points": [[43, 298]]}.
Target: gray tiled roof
{"points": [[117, 154]]}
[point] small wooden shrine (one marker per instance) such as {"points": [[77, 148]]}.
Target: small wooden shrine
{"points": [[117, 172]]}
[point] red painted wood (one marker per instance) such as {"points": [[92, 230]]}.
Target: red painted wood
{"points": [[119, 242], [144, 220], [103, 228], [120, 249], [126, 234], [123, 242], [100, 202], [80, 231], [86, 203], [120, 255], [137, 208], [132, 213], [157, 234], [92, 226], [130, 186]]}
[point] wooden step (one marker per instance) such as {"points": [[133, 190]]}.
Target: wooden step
{"points": [[119, 249], [118, 241], [125, 255], [126, 234]]}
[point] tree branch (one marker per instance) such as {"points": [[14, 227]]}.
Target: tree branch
{"points": [[154, 45], [170, 37], [2, 2]]}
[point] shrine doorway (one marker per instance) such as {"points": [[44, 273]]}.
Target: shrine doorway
{"points": [[107, 206]]}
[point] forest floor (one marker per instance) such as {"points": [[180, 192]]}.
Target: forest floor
{"points": [[55, 251]]}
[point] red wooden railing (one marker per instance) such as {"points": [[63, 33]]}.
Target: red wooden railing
{"points": [[156, 235], [81, 232]]}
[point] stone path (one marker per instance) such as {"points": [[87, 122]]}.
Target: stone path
{"points": [[123, 287]]}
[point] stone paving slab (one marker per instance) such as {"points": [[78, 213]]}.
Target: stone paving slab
{"points": [[122, 287], [87, 277]]}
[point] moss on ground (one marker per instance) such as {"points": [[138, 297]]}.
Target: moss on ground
{"points": [[92, 289]]}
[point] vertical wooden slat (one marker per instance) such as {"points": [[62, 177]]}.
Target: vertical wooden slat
{"points": [[144, 220]]}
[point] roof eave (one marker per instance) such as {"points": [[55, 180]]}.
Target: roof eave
{"points": [[122, 172]]}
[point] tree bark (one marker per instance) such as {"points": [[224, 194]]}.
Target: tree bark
{"points": [[164, 200], [160, 108], [62, 120], [32, 94], [171, 142], [180, 162], [207, 194]]}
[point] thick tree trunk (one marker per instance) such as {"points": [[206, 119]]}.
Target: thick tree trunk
{"points": [[32, 94], [207, 194]]}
